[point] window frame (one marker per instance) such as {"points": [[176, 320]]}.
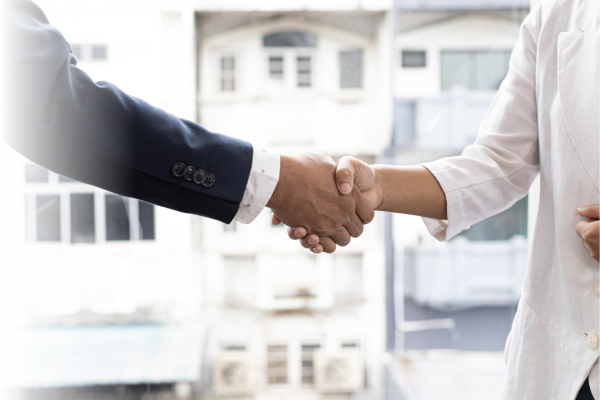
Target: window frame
{"points": [[289, 81], [87, 52], [219, 72], [64, 190]]}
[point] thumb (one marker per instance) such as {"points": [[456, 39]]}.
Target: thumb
{"points": [[590, 212], [350, 172]]}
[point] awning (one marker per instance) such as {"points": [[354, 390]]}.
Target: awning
{"points": [[107, 355]]}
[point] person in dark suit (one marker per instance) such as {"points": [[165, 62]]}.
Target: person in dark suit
{"points": [[95, 133]]}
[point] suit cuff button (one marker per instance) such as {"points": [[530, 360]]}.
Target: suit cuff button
{"points": [[199, 177], [210, 180], [178, 169], [188, 173]]}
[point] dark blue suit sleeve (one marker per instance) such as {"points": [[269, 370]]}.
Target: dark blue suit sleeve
{"points": [[94, 133]]}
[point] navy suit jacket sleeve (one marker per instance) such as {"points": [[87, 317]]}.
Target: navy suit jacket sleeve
{"points": [[94, 133]]}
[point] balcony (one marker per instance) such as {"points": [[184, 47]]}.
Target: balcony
{"points": [[444, 124], [464, 274]]}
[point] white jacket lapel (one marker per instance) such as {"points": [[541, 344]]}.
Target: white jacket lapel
{"points": [[579, 85]]}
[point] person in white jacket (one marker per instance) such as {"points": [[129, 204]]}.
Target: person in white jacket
{"points": [[544, 120]]}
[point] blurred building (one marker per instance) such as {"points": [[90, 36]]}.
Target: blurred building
{"points": [[124, 300], [285, 323], [224, 311]]}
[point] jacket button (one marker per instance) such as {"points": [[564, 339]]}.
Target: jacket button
{"points": [[178, 169], [592, 340], [199, 177], [188, 173], [210, 180]]}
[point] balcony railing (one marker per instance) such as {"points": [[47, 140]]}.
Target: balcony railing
{"points": [[463, 274], [445, 124]]}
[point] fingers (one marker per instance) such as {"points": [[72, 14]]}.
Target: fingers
{"points": [[310, 241], [352, 172], [344, 174], [274, 219], [328, 245], [341, 237], [296, 233], [592, 211], [582, 227], [364, 208], [354, 226]]}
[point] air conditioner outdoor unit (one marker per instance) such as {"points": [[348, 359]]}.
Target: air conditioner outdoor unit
{"points": [[233, 373], [338, 371]]}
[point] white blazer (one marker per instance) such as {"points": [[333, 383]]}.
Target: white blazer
{"points": [[545, 119]]}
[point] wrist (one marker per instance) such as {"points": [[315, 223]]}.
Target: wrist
{"points": [[278, 196], [378, 177]]}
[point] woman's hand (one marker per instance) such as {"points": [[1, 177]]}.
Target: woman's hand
{"points": [[589, 229]]}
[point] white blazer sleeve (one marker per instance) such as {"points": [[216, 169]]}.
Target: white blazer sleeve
{"points": [[495, 172]]}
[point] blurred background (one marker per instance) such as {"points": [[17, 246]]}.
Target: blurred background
{"points": [[107, 298]]}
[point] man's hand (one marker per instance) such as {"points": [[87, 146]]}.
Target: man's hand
{"points": [[351, 175], [306, 195], [589, 229]]}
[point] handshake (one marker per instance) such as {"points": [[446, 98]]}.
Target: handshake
{"points": [[324, 204]]}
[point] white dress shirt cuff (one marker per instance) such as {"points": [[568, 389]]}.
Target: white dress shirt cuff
{"points": [[444, 230], [263, 178]]}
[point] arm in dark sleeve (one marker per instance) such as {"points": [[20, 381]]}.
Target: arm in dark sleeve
{"points": [[94, 133]]}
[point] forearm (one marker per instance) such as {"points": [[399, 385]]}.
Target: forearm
{"points": [[410, 190]]}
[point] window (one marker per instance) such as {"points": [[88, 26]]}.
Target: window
{"points": [[117, 217], [414, 59], [289, 39], [99, 52], [308, 363], [227, 74], [90, 52], [304, 71], [68, 214], [474, 70], [348, 278], [277, 365], [502, 226], [351, 69], [276, 68], [83, 227], [43, 213]]}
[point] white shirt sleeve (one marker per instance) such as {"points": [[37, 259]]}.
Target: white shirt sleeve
{"points": [[263, 178], [499, 168]]}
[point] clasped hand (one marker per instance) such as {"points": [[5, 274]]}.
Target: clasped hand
{"points": [[307, 195], [325, 203]]}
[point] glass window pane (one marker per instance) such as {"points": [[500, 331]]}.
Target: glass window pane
{"points": [[146, 215], [304, 71], [308, 364], [117, 220], [48, 218], [351, 69], [99, 52], [76, 49], [413, 59], [491, 68], [502, 226], [289, 39], [35, 174], [456, 70], [276, 68], [83, 227], [227, 74], [277, 366]]}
